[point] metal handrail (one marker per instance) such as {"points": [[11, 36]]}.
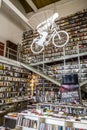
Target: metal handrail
{"points": [[45, 71]]}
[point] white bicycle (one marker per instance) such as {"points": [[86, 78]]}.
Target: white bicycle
{"points": [[59, 38]]}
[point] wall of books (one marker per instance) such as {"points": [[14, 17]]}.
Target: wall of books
{"points": [[74, 24], [70, 59], [15, 91]]}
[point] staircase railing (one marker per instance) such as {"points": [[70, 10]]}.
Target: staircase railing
{"points": [[49, 71], [39, 72]]}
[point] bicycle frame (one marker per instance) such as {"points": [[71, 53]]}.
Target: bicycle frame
{"points": [[42, 41], [52, 35]]}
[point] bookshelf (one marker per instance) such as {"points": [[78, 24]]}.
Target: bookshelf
{"points": [[28, 122], [75, 25], [70, 59], [15, 92]]}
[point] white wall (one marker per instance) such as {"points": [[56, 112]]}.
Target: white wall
{"points": [[71, 7], [10, 28], [19, 6]]}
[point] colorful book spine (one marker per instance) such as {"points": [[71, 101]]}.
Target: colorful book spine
{"points": [[49, 127]]}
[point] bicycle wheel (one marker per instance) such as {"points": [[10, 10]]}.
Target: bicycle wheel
{"points": [[36, 49], [60, 38]]}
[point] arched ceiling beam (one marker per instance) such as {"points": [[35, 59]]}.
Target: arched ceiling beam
{"points": [[0, 3], [12, 7], [32, 5]]}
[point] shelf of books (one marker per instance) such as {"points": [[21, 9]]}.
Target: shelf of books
{"points": [[75, 25], [15, 92], [70, 59], [28, 121]]}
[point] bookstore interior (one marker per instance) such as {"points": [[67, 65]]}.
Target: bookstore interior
{"points": [[43, 64]]}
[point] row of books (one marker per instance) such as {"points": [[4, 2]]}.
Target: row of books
{"points": [[44, 126], [26, 122], [11, 69]]}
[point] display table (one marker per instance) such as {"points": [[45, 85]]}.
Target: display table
{"points": [[27, 120]]}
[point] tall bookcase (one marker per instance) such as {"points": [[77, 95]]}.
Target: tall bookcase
{"points": [[15, 92], [70, 59], [75, 25]]}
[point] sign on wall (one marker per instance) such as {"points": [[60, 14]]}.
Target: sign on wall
{"points": [[70, 88]]}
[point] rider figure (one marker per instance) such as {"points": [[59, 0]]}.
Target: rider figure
{"points": [[43, 35]]}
